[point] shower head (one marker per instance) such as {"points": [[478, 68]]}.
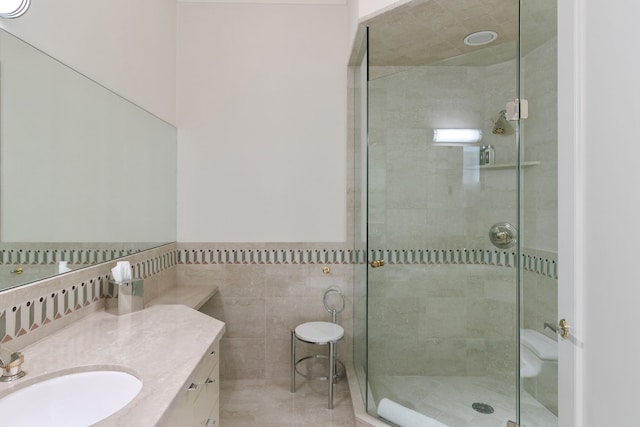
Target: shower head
{"points": [[500, 126]]}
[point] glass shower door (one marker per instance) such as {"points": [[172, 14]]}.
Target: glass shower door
{"points": [[461, 230], [539, 213], [442, 299]]}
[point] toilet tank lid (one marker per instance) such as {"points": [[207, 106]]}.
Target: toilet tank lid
{"points": [[541, 345]]}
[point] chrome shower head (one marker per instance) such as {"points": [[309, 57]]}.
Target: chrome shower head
{"points": [[500, 125]]}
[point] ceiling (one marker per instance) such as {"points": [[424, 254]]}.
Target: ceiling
{"points": [[430, 31], [268, 1]]}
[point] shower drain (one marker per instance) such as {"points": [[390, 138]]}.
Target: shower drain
{"points": [[483, 408]]}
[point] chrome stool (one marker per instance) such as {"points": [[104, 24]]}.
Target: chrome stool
{"points": [[320, 333]]}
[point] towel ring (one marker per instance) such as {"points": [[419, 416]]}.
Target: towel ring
{"points": [[325, 301]]}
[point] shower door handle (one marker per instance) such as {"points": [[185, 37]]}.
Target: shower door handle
{"points": [[377, 263]]}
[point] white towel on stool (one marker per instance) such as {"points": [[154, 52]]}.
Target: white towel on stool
{"points": [[405, 417]]}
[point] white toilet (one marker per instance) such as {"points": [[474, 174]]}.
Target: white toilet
{"points": [[537, 353]]}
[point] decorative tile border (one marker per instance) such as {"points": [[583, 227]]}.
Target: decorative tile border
{"points": [[546, 266], [154, 265], [53, 256], [23, 318], [27, 316], [271, 256]]}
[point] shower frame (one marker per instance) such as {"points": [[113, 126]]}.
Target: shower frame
{"points": [[361, 296]]}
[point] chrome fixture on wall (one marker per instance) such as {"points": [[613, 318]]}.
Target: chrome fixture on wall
{"points": [[503, 235], [500, 125]]}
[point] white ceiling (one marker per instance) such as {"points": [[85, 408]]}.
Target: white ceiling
{"points": [[268, 1]]}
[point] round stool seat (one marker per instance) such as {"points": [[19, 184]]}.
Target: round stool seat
{"points": [[319, 332]]}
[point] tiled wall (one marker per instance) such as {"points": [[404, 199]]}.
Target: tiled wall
{"points": [[265, 290], [31, 312], [457, 300], [539, 141], [457, 318], [442, 320], [448, 319]]}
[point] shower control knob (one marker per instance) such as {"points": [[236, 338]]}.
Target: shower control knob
{"points": [[503, 235]]}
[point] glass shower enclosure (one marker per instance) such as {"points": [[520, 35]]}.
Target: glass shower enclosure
{"points": [[455, 206]]}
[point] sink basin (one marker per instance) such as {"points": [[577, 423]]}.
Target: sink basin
{"points": [[77, 399]]}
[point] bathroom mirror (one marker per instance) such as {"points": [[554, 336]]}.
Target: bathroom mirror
{"points": [[85, 175]]}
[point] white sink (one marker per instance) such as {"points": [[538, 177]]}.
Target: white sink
{"points": [[77, 399]]}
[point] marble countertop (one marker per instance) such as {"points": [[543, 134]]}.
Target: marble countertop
{"points": [[191, 296], [160, 345]]}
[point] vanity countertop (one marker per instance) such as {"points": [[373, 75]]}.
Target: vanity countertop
{"points": [[191, 296], [160, 345]]}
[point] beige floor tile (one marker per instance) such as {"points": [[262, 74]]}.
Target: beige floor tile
{"points": [[253, 403]]}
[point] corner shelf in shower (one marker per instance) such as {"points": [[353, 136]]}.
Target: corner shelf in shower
{"points": [[509, 165]]}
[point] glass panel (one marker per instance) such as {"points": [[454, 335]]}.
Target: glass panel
{"points": [[443, 309], [539, 213], [360, 219], [86, 175]]}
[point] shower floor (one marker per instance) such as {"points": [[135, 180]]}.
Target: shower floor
{"points": [[448, 399]]}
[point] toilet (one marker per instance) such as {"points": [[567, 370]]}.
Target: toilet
{"points": [[537, 353]]}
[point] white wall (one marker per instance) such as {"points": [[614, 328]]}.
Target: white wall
{"points": [[363, 9], [262, 122], [127, 46], [609, 150], [368, 7]]}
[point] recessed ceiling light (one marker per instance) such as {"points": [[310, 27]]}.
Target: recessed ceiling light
{"points": [[13, 8], [481, 37]]}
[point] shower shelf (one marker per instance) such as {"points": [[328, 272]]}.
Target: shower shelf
{"points": [[509, 165]]}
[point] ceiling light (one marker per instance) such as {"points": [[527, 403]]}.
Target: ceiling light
{"points": [[13, 8], [481, 37]]}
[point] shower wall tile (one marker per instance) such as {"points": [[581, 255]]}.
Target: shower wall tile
{"points": [[445, 318], [396, 355], [445, 356], [473, 306], [465, 307], [477, 355], [539, 228]]}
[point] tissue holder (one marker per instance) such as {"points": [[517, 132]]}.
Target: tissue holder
{"points": [[126, 297]]}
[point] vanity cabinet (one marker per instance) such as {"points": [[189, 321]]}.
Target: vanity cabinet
{"points": [[197, 404]]}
